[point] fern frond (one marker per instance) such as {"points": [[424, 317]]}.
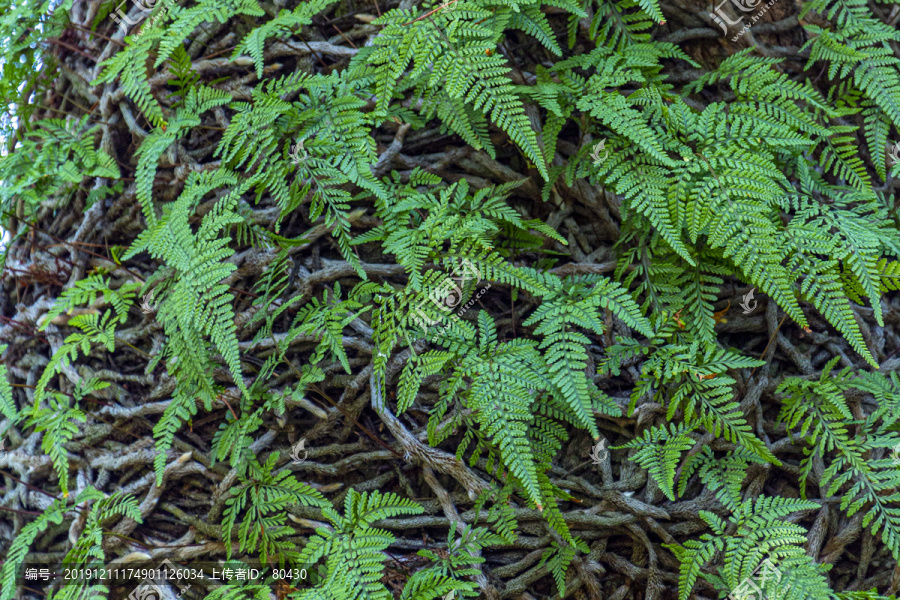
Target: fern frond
{"points": [[662, 460]]}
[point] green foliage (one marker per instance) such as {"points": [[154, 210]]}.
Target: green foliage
{"points": [[827, 425], [264, 496], [183, 20], [95, 329], [769, 189], [714, 210], [456, 231], [724, 475], [753, 532], [185, 77], [327, 319], [450, 567], [455, 69], [558, 557], [197, 304], [57, 421], [88, 549], [859, 45], [88, 544], [573, 303], [689, 378], [19, 548], [887, 279], [195, 101], [86, 292], [493, 380], [328, 109], [284, 23], [53, 157], [505, 396], [130, 65], [353, 551], [419, 225], [661, 460], [500, 515], [24, 29], [7, 403]]}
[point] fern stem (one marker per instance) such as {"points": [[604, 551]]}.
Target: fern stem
{"points": [[118, 339], [428, 14], [233, 414], [21, 512]]}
